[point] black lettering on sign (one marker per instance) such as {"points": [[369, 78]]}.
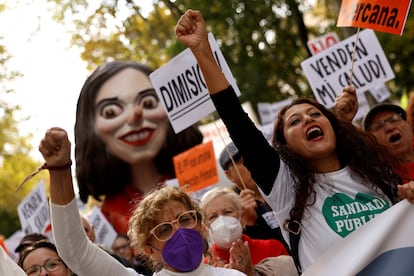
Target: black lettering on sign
{"points": [[365, 73], [207, 174], [33, 202], [185, 89], [338, 58], [41, 218], [377, 14], [326, 93]]}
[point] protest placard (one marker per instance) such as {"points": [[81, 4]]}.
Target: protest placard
{"points": [[182, 90], [383, 246], [330, 71], [381, 15], [322, 43], [268, 111], [34, 212], [104, 232], [196, 167]]}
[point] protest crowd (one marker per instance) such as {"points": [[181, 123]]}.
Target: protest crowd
{"points": [[321, 178]]}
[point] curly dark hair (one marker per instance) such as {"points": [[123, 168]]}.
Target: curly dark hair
{"points": [[354, 147], [98, 172]]}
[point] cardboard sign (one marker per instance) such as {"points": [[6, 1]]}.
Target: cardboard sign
{"points": [[382, 15], [34, 212], [322, 43], [196, 167], [182, 90], [329, 71], [104, 232]]}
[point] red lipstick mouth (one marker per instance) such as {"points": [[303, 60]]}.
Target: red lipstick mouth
{"points": [[138, 138]]}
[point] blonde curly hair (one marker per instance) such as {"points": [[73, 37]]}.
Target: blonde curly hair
{"points": [[144, 217]]}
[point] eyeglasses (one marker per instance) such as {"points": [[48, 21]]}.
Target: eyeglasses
{"points": [[395, 118], [49, 266], [164, 231]]}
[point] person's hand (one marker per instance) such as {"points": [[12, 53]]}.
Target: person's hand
{"points": [[249, 206], [55, 147], [407, 191], [240, 258], [346, 104], [191, 29]]}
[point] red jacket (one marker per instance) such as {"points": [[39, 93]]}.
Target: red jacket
{"points": [[259, 249], [118, 208]]}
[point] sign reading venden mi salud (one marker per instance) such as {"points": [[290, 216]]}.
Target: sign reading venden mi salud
{"points": [[329, 71]]}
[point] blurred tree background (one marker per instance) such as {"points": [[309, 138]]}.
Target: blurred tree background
{"points": [[264, 41], [15, 147]]}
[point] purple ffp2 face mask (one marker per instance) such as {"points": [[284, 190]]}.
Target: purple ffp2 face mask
{"points": [[184, 250]]}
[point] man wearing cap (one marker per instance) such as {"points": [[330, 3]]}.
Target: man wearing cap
{"points": [[388, 123], [261, 223]]}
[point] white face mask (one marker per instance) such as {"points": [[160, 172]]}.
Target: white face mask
{"points": [[225, 230]]}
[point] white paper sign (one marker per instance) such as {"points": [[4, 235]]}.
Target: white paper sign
{"points": [[104, 232], [330, 71], [182, 90], [268, 111], [34, 212], [380, 93]]}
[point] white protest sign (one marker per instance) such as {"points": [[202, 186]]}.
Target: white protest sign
{"points": [[322, 43], [329, 71], [33, 211], [104, 232], [268, 111], [182, 90], [363, 107], [380, 92]]}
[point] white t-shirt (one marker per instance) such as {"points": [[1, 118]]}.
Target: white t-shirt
{"points": [[343, 203]]}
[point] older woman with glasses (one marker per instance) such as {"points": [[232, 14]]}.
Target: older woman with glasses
{"points": [[166, 225], [42, 256]]}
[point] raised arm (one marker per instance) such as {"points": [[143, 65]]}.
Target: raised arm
{"points": [[346, 104], [79, 253], [260, 157], [191, 30], [55, 148]]}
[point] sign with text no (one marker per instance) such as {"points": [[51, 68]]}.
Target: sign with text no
{"points": [[382, 15], [322, 43], [182, 90], [196, 167], [329, 71]]}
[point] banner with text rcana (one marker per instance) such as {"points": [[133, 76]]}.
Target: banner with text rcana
{"points": [[381, 15], [182, 90], [330, 71], [383, 246], [33, 211]]}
